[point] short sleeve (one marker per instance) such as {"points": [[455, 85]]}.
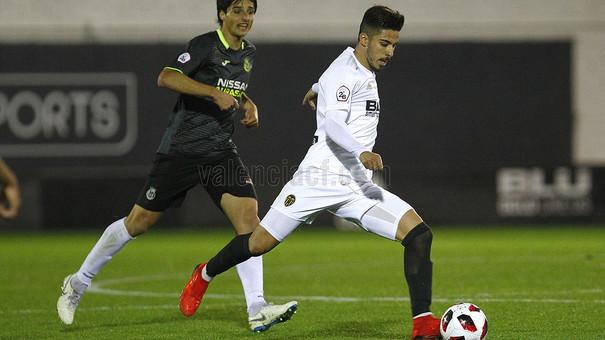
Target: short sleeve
{"points": [[192, 58], [337, 90]]}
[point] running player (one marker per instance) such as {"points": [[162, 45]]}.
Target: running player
{"points": [[335, 174], [211, 76]]}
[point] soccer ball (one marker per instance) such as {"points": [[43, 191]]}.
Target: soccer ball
{"points": [[464, 321]]}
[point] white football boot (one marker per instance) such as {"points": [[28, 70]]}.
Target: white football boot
{"points": [[68, 301], [270, 315]]}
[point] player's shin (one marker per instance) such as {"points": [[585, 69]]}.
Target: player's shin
{"points": [[418, 267], [233, 253], [251, 275], [111, 242]]}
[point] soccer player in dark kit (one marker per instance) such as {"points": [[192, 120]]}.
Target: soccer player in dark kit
{"points": [[211, 77]]}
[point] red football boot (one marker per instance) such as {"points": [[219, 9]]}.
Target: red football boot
{"points": [[194, 291], [426, 327]]}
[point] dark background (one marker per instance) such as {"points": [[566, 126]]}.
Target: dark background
{"points": [[452, 114]]}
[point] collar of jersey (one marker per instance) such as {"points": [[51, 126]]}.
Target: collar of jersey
{"points": [[223, 40], [351, 51]]}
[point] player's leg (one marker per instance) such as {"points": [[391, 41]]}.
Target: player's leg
{"points": [[243, 214], [416, 236], [161, 190], [229, 185], [395, 219], [238, 250], [113, 239]]}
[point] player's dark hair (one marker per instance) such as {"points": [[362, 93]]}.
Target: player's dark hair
{"points": [[223, 5], [380, 18]]}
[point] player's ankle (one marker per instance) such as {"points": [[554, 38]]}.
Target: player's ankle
{"points": [[421, 315], [205, 275], [78, 286]]}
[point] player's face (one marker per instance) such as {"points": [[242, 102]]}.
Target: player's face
{"points": [[381, 48], [239, 18]]}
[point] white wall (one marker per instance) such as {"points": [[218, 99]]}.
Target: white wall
{"points": [[589, 98], [295, 20]]}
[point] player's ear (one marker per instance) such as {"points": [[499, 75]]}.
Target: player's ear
{"points": [[363, 39], [222, 15]]}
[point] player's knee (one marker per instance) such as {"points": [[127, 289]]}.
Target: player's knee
{"points": [[420, 235], [407, 223], [261, 242]]}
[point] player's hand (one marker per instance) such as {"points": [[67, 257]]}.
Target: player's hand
{"points": [[310, 100], [371, 160], [10, 208], [250, 115], [224, 101]]}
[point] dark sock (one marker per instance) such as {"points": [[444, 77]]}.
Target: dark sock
{"points": [[234, 253], [418, 267]]}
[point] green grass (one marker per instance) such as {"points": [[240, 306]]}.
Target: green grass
{"points": [[533, 283]]}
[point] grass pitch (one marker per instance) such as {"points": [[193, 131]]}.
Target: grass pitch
{"points": [[532, 283]]}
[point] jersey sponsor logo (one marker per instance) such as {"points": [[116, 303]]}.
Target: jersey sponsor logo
{"points": [[183, 58], [247, 65], [290, 200], [343, 93], [372, 108], [232, 87], [150, 194]]}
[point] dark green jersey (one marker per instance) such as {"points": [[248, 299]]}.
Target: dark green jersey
{"points": [[197, 127]]}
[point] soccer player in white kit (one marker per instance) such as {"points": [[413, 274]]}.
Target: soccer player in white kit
{"points": [[336, 173]]}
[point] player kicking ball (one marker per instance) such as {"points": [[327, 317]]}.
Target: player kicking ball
{"points": [[211, 77], [336, 173]]}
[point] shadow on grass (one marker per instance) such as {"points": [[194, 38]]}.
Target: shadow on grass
{"points": [[224, 314]]}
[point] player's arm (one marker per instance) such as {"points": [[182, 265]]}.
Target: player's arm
{"points": [[337, 130], [10, 208], [250, 112], [175, 80]]}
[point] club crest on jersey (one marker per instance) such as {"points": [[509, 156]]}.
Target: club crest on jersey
{"points": [[290, 200], [247, 65], [343, 93], [185, 57], [150, 194]]}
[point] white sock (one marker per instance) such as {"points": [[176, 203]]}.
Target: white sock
{"points": [[205, 275], [111, 242], [251, 274], [421, 315]]}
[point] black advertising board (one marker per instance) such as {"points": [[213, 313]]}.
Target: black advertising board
{"points": [[470, 132]]}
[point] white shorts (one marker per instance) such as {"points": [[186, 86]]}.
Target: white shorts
{"points": [[302, 203]]}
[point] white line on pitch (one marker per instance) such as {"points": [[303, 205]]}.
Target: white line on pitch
{"points": [[99, 288]]}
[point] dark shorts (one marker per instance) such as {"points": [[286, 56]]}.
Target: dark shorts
{"points": [[172, 176]]}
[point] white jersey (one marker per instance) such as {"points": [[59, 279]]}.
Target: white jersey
{"points": [[345, 85], [331, 178]]}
